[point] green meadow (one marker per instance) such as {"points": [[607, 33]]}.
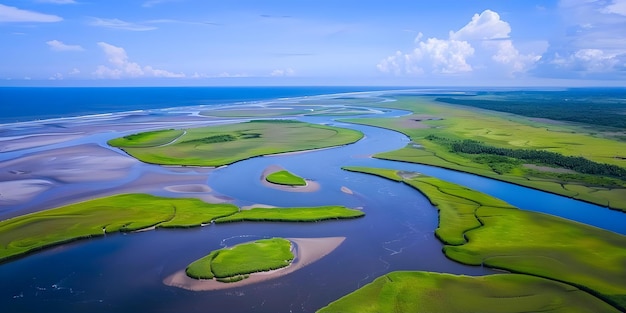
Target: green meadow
{"points": [[285, 178], [477, 229], [237, 262], [226, 144], [436, 292], [435, 128], [131, 212]]}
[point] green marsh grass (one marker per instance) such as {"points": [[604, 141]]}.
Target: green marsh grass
{"points": [[201, 147], [478, 229], [306, 214], [127, 212], [504, 131], [436, 292], [131, 212], [235, 263], [285, 178]]}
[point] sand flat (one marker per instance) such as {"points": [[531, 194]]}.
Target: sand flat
{"points": [[308, 250]]}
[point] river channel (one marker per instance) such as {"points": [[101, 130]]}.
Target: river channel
{"points": [[125, 272]]}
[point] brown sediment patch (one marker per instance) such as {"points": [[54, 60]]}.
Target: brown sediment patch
{"points": [[549, 169], [347, 190], [307, 251], [408, 175], [310, 186], [417, 121]]}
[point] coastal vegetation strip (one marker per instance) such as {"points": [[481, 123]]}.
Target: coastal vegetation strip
{"points": [[131, 212], [287, 178], [564, 159], [478, 229], [437, 292], [304, 214], [226, 144], [235, 263]]}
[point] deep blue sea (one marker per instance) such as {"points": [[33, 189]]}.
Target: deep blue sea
{"points": [[20, 104]]}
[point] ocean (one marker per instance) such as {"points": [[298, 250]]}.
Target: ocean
{"points": [[21, 104]]}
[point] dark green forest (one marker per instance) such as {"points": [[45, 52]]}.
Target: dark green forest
{"points": [[594, 106]]}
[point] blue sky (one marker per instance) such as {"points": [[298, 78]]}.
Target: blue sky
{"points": [[313, 42]]}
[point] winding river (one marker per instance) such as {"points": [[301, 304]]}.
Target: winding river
{"points": [[124, 272]]}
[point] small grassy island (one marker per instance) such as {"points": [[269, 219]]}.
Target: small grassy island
{"points": [[584, 162], [238, 262], [478, 229], [131, 212], [285, 178], [226, 144]]}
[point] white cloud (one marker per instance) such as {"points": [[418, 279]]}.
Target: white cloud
{"points": [[74, 71], [482, 44], [13, 14], [594, 44], [509, 55], [616, 7], [122, 67], [588, 60], [56, 45], [484, 26], [58, 1], [119, 24], [282, 72]]}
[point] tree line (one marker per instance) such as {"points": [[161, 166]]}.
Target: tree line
{"points": [[578, 164]]}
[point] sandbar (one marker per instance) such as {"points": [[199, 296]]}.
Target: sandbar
{"points": [[310, 186], [307, 251]]}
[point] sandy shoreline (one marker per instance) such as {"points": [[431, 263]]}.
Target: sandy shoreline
{"points": [[311, 186], [308, 250]]}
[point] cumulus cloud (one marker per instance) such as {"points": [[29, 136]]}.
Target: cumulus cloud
{"points": [[56, 45], [121, 67], [13, 14], [119, 24], [594, 45], [482, 43], [484, 26]]}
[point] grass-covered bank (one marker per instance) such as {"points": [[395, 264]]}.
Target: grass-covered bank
{"points": [[285, 178], [435, 292], [435, 128], [478, 229], [121, 213], [237, 262], [308, 214], [226, 144], [130, 212]]}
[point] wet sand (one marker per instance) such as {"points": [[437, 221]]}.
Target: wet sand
{"points": [[307, 250]]}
